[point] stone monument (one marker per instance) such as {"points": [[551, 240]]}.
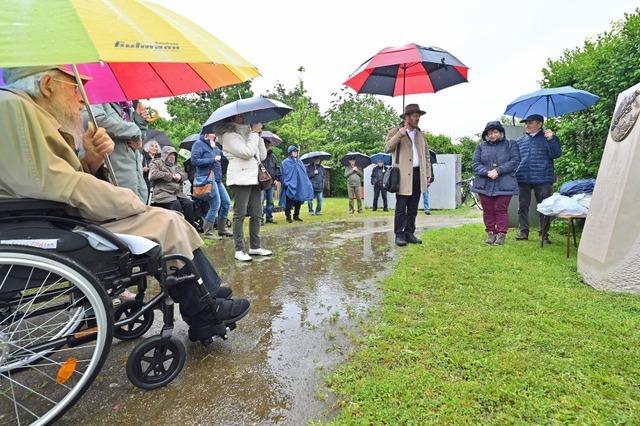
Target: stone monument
{"points": [[609, 253]]}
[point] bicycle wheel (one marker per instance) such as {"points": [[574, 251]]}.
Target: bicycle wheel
{"points": [[56, 327]]}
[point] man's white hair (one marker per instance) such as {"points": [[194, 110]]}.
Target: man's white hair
{"points": [[31, 84]]}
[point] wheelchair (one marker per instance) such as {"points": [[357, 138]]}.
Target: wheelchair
{"points": [[57, 313]]}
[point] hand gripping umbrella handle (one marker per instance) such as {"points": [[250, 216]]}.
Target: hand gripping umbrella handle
{"points": [[107, 162]]}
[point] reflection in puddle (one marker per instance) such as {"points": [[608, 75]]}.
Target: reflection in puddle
{"points": [[305, 302]]}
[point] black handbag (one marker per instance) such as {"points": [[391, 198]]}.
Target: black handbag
{"points": [[391, 179]]}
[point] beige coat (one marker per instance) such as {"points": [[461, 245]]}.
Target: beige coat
{"points": [[39, 161], [242, 147], [405, 161]]}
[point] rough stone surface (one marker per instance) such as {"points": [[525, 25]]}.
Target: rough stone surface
{"points": [[609, 253]]}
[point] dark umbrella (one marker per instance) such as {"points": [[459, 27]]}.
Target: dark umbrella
{"points": [[551, 102], [255, 110], [362, 160], [386, 158], [310, 156], [158, 136], [187, 143], [272, 138], [407, 70]]}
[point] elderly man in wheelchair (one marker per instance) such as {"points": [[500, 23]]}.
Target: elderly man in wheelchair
{"points": [[70, 243]]}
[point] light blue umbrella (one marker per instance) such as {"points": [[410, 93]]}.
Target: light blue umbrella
{"points": [[386, 158], [551, 102], [256, 110], [310, 156]]}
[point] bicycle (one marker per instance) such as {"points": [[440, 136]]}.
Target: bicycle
{"points": [[467, 194]]}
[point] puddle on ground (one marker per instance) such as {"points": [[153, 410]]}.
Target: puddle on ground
{"points": [[306, 301]]}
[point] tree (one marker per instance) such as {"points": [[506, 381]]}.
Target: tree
{"points": [[604, 66]]}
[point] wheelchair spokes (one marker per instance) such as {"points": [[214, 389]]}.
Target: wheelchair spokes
{"points": [[55, 332]]}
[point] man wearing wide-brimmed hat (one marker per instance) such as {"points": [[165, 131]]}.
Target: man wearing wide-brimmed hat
{"points": [[409, 148]]}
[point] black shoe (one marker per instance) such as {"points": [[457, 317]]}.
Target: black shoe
{"points": [[385, 210], [522, 235], [427, 212], [412, 239], [223, 293], [297, 219], [271, 221], [400, 241], [374, 209], [289, 220]]}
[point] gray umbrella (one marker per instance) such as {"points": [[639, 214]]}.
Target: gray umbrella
{"points": [[255, 110], [271, 137], [310, 156], [158, 136], [187, 143]]}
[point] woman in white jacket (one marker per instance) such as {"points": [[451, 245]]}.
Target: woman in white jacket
{"points": [[244, 148]]}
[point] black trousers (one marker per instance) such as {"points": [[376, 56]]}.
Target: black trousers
{"points": [[407, 208], [377, 190], [183, 205], [292, 204], [541, 192]]}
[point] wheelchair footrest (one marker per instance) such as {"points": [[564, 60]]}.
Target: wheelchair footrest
{"points": [[205, 333]]}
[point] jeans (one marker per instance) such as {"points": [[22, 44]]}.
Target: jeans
{"points": [[318, 197], [425, 200], [219, 202], [407, 208], [377, 190], [267, 196], [354, 194], [247, 202], [495, 213], [541, 192]]}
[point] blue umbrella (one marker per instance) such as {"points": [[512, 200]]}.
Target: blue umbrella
{"points": [[256, 110], [310, 156], [551, 102], [381, 156]]}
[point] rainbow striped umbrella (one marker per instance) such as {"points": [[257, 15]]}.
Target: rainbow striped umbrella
{"points": [[132, 48]]}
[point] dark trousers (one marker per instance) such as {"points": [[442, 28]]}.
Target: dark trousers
{"points": [[377, 190], [541, 192], [407, 208], [292, 204], [182, 205], [495, 213]]}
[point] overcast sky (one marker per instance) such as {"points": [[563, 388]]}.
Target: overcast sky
{"points": [[505, 44]]}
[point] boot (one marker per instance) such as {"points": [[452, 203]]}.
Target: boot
{"points": [[491, 238], [500, 239], [209, 233], [222, 228], [522, 235]]}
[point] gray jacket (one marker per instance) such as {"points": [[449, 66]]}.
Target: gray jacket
{"points": [[504, 156], [165, 187]]}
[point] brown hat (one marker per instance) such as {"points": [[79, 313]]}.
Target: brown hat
{"points": [[410, 109], [11, 75]]}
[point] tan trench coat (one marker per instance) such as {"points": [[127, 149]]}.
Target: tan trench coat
{"points": [[38, 160], [405, 161]]}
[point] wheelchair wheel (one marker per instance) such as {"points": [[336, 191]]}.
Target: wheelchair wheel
{"points": [[141, 325], [48, 356], [155, 362]]}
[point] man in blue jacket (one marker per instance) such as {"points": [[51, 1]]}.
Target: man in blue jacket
{"points": [[538, 148]]}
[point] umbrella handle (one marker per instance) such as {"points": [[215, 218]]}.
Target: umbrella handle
{"points": [[107, 161]]}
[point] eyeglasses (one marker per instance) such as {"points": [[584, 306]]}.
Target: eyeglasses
{"points": [[77, 89]]}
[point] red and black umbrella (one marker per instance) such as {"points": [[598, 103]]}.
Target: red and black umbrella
{"points": [[408, 70]]}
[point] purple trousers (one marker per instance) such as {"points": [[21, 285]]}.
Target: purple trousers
{"points": [[494, 213]]}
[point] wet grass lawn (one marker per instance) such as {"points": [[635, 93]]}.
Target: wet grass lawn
{"points": [[337, 208], [471, 334]]}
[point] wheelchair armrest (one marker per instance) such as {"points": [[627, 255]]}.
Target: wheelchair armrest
{"points": [[26, 206]]}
